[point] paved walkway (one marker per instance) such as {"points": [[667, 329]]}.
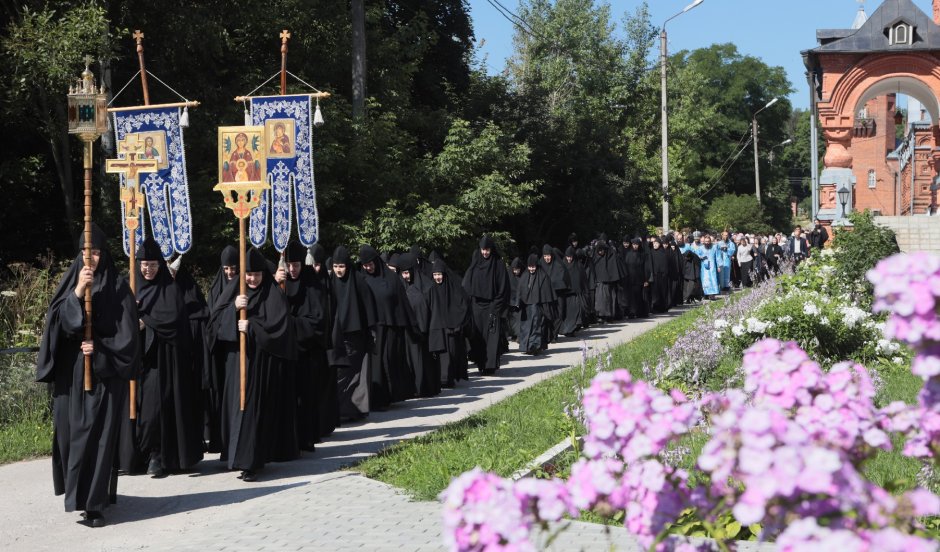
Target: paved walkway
{"points": [[308, 504]]}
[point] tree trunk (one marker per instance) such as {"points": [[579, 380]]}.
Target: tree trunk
{"points": [[58, 136], [358, 58]]}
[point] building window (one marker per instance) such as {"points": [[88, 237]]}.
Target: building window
{"points": [[872, 180], [901, 34]]}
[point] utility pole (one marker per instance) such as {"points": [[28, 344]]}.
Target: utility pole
{"points": [[665, 113], [754, 138]]}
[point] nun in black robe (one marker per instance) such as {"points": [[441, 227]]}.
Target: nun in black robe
{"points": [[678, 262], [639, 275], [607, 276], [393, 378], [266, 430], [310, 330], [328, 416], [169, 428], [538, 306], [449, 322], [352, 338], [553, 266], [691, 276], [662, 265], [516, 268], [427, 372], [86, 423], [487, 285], [421, 275], [576, 315], [213, 377], [197, 309]]}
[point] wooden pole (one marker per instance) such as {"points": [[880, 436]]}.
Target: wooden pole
{"points": [[132, 274], [139, 37], [132, 239], [285, 35], [89, 149], [243, 314]]}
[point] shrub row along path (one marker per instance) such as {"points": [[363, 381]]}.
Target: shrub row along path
{"points": [[307, 504]]}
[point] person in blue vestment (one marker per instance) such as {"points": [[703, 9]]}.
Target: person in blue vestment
{"points": [[726, 250], [711, 270]]}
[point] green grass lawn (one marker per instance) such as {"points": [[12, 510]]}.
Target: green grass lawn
{"points": [[508, 435], [25, 438]]}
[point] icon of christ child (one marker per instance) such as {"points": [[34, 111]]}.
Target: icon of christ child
{"points": [[280, 143], [241, 167]]}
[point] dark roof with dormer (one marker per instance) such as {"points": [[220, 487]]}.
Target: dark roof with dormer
{"points": [[872, 36]]}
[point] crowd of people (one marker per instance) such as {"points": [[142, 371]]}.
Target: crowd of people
{"points": [[329, 339]]}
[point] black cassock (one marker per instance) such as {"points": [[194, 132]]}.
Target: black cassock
{"points": [[639, 272], [328, 416], [539, 309], [426, 371], [512, 315], [607, 275], [197, 310], [576, 300], [449, 321], [85, 423], [662, 267], [677, 284], [311, 331], [213, 377], [169, 427], [393, 378], [691, 276], [351, 343], [562, 324], [487, 285], [266, 430]]}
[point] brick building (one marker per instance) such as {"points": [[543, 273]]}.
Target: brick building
{"points": [[856, 76]]}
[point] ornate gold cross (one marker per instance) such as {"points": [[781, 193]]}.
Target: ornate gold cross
{"points": [[130, 166]]}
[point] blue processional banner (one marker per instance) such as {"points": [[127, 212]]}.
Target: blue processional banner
{"points": [[288, 131], [167, 190]]}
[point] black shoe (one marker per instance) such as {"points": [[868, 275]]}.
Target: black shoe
{"points": [[94, 519], [249, 476], [155, 470]]}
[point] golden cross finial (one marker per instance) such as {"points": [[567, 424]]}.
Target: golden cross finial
{"points": [[88, 60], [138, 36], [285, 34]]}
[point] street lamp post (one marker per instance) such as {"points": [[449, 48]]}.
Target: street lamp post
{"points": [[786, 142], [843, 194], [754, 138], [665, 113]]}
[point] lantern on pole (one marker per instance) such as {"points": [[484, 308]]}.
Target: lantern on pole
{"points": [[88, 119]]}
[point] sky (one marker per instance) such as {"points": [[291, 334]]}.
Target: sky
{"points": [[774, 30]]}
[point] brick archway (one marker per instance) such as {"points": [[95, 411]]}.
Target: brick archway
{"points": [[855, 76], [837, 116]]}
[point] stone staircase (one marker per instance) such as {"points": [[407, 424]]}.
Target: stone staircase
{"points": [[917, 233]]}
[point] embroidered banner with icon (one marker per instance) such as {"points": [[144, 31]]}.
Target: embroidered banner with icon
{"points": [[289, 151], [166, 190]]}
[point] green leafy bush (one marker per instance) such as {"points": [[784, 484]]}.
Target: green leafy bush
{"points": [[859, 247]]}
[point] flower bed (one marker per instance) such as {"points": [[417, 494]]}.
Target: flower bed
{"points": [[784, 456]]}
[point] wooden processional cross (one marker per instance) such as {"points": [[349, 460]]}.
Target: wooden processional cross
{"points": [[132, 198]]}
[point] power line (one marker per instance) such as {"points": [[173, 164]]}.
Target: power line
{"points": [[729, 161]]}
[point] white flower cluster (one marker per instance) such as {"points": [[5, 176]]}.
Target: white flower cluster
{"points": [[810, 309], [852, 315], [887, 346]]}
